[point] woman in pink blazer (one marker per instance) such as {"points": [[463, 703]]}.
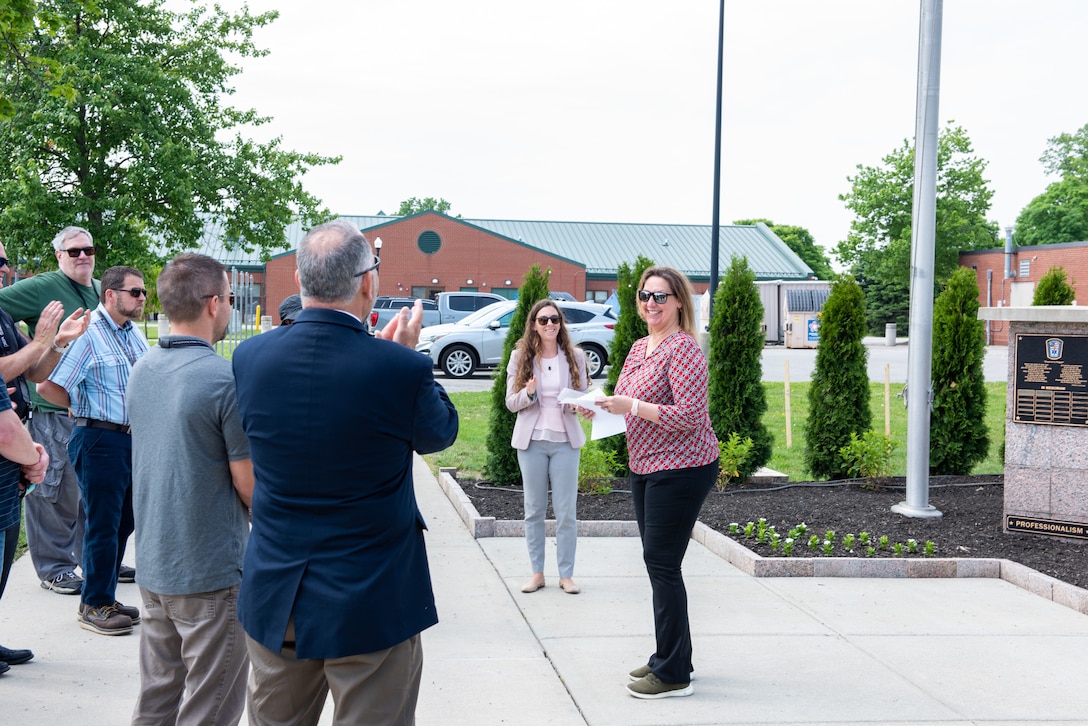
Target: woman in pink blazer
{"points": [[547, 435]]}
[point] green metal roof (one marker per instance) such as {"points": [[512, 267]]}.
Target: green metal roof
{"points": [[600, 246]]}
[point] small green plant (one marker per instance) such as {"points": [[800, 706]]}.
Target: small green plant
{"points": [[863, 538], [813, 542], [829, 536], [776, 541], [734, 528], [749, 530], [931, 548], [883, 541], [787, 546], [595, 469], [869, 456], [898, 549], [828, 547], [734, 452], [869, 551], [848, 542], [802, 528], [912, 545]]}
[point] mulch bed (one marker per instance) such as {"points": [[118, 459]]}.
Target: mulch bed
{"points": [[970, 526]]}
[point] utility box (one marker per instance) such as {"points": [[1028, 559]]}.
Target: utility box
{"points": [[803, 317]]}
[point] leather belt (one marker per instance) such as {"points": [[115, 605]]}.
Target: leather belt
{"points": [[108, 425]]}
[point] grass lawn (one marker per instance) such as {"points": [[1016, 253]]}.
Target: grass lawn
{"points": [[469, 453]]}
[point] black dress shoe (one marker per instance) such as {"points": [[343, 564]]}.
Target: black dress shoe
{"points": [[4, 667], [126, 574], [14, 657]]}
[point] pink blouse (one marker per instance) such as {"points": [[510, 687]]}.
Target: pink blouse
{"points": [[675, 378]]}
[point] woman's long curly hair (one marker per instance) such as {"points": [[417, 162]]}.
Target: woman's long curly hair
{"points": [[529, 345]]}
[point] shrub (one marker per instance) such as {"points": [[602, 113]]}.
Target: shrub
{"points": [[869, 455], [595, 468], [1053, 288], [958, 435], [629, 328], [737, 398], [734, 452], [502, 461], [838, 396]]}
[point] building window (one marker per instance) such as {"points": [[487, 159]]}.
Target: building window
{"points": [[1025, 268], [429, 242]]}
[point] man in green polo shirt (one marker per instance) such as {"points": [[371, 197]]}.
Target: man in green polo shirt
{"points": [[54, 514]]}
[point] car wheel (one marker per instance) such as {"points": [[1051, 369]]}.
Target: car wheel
{"points": [[457, 361], [595, 360]]}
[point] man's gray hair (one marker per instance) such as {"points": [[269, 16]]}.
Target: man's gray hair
{"points": [[328, 258], [68, 233]]}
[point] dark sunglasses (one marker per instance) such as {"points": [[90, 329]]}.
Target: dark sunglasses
{"points": [[659, 297], [74, 252], [134, 292], [4, 261], [374, 266], [228, 295], [545, 319]]}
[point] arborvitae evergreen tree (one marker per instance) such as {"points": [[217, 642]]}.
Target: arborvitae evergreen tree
{"points": [[501, 466], [1053, 288], [629, 328], [838, 397], [958, 435], [737, 397]]}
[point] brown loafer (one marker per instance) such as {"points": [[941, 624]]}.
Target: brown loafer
{"points": [[533, 585], [569, 587]]}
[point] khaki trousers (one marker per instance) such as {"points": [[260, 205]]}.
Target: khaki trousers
{"points": [[371, 689]]}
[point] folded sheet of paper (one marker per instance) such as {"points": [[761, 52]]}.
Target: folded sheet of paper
{"points": [[604, 423]]}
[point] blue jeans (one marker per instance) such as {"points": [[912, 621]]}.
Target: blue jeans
{"points": [[103, 463], [9, 540], [667, 503]]}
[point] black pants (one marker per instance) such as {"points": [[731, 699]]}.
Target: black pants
{"points": [[667, 503], [10, 537]]}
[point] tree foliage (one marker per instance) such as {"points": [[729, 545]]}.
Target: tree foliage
{"points": [[414, 205], [878, 247], [501, 466], [121, 127], [1054, 288], [1059, 214], [629, 328], [737, 398], [838, 396], [958, 436], [803, 244]]}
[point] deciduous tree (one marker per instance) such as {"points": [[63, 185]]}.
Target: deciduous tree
{"points": [[414, 205], [803, 244], [130, 135]]}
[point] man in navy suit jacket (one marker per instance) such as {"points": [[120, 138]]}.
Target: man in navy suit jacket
{"points": [[336, 586]]}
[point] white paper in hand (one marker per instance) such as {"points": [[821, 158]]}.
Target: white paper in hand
{"points": [[604, 423]]}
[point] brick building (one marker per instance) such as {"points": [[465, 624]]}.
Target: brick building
{"points": [[1008, 279]]}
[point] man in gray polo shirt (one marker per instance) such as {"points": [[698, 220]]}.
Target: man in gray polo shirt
{"points": [[192, 483]]}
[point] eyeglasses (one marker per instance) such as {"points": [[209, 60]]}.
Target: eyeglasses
{"points": [[659, 297], [374, 266], [134, 292], [228, 295], [74, 252], [545, 319], [4, 262]]}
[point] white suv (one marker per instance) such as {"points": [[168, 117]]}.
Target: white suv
{"points": [[477, 341]]}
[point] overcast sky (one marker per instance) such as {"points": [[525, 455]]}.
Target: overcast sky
{"points": [[603, 110]]}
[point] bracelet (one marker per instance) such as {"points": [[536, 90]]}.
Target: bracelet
{"points": [[58, 348], [634, 407]]}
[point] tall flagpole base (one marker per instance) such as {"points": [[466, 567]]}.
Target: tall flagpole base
{"points": [[909, 510]]}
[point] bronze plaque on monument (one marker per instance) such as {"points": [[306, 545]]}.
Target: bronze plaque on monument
{"points": [[1049, 384]]}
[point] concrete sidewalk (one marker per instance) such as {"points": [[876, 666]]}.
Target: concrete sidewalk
{"points": [[778, 651]]}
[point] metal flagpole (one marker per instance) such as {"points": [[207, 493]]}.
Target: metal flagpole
{"points": [[923, 234], [716, 213]]}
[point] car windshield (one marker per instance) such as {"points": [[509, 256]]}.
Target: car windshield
{"points": [[485, 315]]}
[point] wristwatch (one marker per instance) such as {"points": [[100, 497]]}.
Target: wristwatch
{"points": [[58, 348]]}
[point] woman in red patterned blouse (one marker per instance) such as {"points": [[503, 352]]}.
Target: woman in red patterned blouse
{"points": [[662, 393]]}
